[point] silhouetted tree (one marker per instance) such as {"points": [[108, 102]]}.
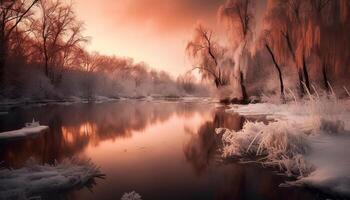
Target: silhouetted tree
{"points": [[59, 34], [207, 53], [12, 14]]}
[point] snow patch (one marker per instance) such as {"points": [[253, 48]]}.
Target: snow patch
{"points": [[131, 196], [330, 156], [23, 132], [33, 179], [277, 144]]}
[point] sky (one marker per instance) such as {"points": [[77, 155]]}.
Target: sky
{"points": [[150, 31]]}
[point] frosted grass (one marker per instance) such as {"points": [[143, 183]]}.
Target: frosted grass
{"points": [[33, 179], [308, 139]]}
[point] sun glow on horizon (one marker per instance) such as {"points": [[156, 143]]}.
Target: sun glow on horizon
{"points": [[157, 37]]}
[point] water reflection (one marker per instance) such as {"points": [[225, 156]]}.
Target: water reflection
{"points": [[164, 150], [73, 128], [230, 180], [204, 144]]}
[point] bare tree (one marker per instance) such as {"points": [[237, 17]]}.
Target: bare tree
{"points": [[59, 33], [90, 62], [207, 53], [12, 14], [186, 82]]}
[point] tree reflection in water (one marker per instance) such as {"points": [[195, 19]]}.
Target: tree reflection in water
{"points": [[232, 180], [74, 127], [203, 146]]}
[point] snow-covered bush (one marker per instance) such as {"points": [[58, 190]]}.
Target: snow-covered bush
{"points": [[34, 179], [279, 144], [308, 138], [131, 196]]}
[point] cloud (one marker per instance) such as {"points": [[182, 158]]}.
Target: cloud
{"points": [[154, 31], [163, 15]]}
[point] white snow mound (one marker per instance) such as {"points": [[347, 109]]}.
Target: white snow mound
{"points": [[131, 196], [33, 179], [23, 132]]}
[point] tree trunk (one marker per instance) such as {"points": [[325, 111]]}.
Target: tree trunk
{"points": [[278, 69], [243, 88], [300, 73], [306, 74], [216, 81], [3, 56], [46, 59], [301, 80], [325, 78], [46, 68]]}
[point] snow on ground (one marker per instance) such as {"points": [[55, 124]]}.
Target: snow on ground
{"points": [[23, 132], [7, 104], [308, 139], [330, 156], [32, 180]]}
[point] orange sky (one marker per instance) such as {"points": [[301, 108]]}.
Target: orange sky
{"points": [[153, 31]]}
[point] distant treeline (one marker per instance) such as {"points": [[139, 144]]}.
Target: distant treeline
{"points": [[42, 55]]}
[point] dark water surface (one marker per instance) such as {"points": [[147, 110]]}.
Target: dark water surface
{"points": [[162, 150]]}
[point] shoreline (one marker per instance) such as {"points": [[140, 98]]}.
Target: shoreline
{"points": [[8, 104]]}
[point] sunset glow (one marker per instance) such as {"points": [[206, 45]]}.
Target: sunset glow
{"points": [[174, 99], [152, 31]]}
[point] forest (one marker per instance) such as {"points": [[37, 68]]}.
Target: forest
{"points": [[43, 56], [282, 46], [292, 45], [217, 99]]}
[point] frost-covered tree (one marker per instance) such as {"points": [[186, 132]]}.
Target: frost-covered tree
{"points": [[270, 44], [238, 15], [327, 34], [313, 32], [284, 21]]}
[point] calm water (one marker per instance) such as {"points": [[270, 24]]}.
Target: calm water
{"points": [[162, 150]]}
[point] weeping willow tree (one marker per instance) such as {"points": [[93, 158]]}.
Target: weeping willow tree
{"points": [[327, 36], [238, 16], [273, 47], [284, 19], [315, 35]]}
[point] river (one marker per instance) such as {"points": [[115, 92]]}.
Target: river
{"points": [[161, 149]]}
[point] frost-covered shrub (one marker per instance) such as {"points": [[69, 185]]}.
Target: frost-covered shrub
{"points": [[34, 179], [309, 138], [279, 143]]}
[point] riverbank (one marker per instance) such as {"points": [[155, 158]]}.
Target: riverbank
{"points": [[308, 140], [8, 104], [134, 141]]}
